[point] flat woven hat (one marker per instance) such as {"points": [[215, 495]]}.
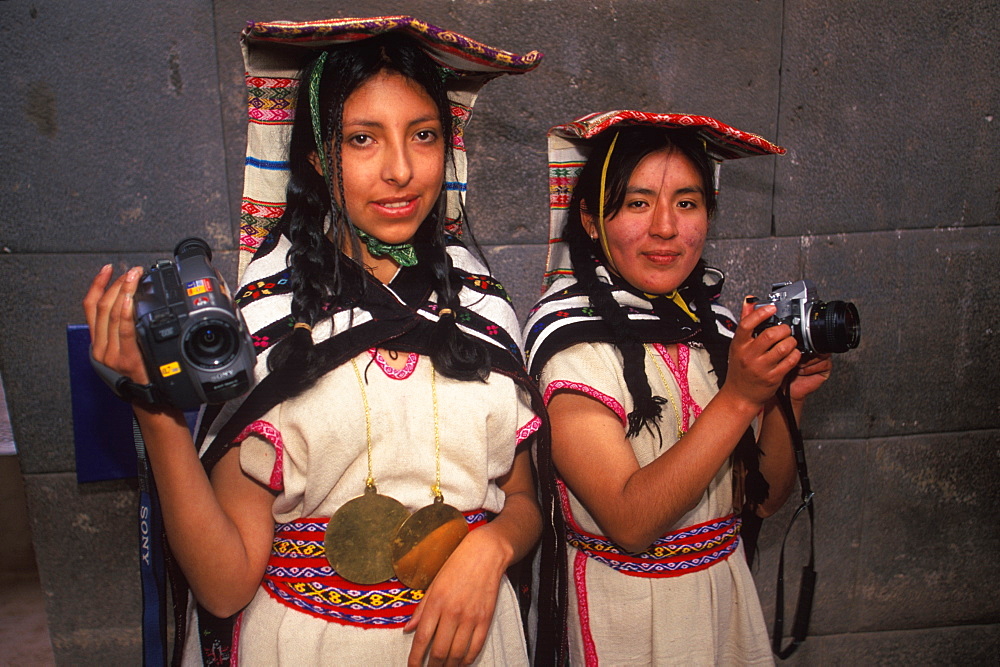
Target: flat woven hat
{"points": [[275, 53]]}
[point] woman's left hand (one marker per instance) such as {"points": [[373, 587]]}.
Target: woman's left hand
{"points": [[809, 375], [453, 619]]}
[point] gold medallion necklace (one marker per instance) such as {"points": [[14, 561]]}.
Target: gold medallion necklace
{"points": [[373, 537], [425, 540], [359, 535]]}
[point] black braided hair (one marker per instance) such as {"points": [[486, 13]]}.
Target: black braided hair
{"points": [[647, 407], [633, 144], [320, 282]]}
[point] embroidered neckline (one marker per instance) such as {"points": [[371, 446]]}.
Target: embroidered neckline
{"points": [[690, 410], [395, 373]]}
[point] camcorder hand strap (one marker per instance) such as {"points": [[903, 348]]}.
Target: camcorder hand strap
{"points": [[152, 565], [807, 586], [125, 389]]}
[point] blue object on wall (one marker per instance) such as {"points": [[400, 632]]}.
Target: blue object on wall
{"points": [[102, 422]]}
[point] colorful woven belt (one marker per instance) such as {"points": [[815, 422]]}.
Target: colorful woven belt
{"points": [[299, 576], [686, 550]]}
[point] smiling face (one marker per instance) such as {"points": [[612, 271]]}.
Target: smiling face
{"points": [[393, 157], [655, 240]]}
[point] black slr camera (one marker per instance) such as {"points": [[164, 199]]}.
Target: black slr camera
{"points": [[193, 339], [817, 326]]}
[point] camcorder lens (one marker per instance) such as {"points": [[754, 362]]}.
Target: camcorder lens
{"points": [[211, 344], [834, 326]]}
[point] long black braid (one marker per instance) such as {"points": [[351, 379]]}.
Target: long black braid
{"points": [[321, 282], [647, 408], [632, 145]]}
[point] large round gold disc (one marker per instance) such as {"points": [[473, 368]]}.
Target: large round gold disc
{"points": [[424, 542], [359, 536]]}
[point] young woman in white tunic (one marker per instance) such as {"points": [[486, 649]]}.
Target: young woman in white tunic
{"points": [[664, 425], [388, 372]]}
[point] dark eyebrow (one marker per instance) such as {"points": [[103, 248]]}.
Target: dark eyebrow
{"points": [[694, 189], [640, 191], [371, 123], [425, 119]]}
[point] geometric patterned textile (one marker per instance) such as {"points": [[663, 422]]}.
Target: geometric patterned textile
{"points": [[565, 314], [686, 550], [299, 576]]}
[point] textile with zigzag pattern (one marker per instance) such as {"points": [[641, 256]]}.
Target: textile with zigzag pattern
{"points": [[687, 550], [299, 576]]}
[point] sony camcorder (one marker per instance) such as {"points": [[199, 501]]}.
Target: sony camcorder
{"points": [[195, 344]]}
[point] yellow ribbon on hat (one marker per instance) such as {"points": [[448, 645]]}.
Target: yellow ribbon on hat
{"points": [[600, 206]]}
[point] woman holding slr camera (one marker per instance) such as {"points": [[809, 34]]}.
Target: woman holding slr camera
{"points": [[664, 424], [364, 501]]}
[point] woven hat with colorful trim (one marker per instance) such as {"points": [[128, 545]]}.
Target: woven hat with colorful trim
{"points": [[274, 54], [569, 147]]}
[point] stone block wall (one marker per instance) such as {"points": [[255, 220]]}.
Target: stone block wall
{"points": [[125, 132]]}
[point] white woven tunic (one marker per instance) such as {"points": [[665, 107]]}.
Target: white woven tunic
{"points": [[706, 617], [320, 462]]}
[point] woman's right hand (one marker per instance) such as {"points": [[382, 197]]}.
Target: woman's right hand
{"points": [[109, 308], [758, 364]]}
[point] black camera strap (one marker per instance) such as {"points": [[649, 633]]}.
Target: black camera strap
{"points": [[807, 586], [152, 563], [126, 389]]}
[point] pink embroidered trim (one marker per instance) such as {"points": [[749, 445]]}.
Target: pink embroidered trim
{"points": [[395, 373], [564, 503], [580, 582], [525, 431], [272, 435], [690, 410], [610, 402], [234, 660]]}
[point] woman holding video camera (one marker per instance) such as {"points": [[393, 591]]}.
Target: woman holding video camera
{"points": [[664, 425], [364, 501]]}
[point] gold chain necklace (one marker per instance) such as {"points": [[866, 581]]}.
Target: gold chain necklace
{"points": [[358, 539], [372, 537]]}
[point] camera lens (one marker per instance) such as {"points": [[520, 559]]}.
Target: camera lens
{"points": [[210, 344], [834, 326]]}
